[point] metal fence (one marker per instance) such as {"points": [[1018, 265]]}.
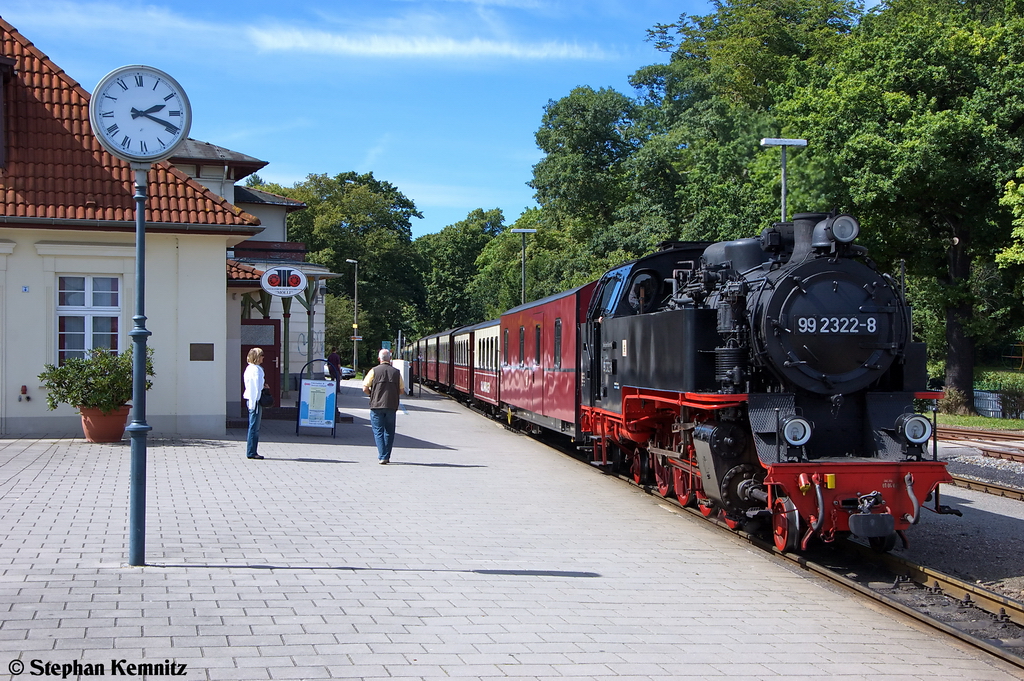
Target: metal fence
{"points": [[987, 404]]}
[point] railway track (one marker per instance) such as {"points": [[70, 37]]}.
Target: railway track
{"points": [[1007, 445], [998, 490], [957, 433]]}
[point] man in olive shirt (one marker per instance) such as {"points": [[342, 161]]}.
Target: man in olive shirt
{"points": [[384, 385]]}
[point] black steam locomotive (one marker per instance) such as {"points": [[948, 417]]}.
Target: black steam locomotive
{"points": [[765, 376]]}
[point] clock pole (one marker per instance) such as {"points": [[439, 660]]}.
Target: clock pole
{"points": [[138, 124], [138, 430]]}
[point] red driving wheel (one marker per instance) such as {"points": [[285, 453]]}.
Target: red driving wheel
{"points": [[681, 484]]}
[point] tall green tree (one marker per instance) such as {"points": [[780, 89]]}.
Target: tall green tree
{"points": [[586, 137], [918, 123], [353, 216], [709, 106], [450, 257]]}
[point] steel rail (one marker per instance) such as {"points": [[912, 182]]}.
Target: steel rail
{"points": [[1007, 445], [957, 433], [998, 490]]}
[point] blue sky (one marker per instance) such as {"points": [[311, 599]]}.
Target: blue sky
{"points": [[439, 97]]}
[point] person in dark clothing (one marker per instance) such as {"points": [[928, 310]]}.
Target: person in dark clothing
{"points": [[384, 385], [334, 364]]}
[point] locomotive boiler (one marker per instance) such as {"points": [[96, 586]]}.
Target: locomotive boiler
{"points": [[770, 377]]}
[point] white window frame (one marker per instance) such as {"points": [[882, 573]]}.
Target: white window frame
{"points": [[100, 258], [89, 311]]}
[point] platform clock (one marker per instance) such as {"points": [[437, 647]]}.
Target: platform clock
{"points": [[140, 114]]}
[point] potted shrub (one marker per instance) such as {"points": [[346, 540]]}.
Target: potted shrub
{"points": [[99, 385]]}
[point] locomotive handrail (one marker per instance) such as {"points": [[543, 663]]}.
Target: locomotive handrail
{"points": [[909, 480], [705, 400]]}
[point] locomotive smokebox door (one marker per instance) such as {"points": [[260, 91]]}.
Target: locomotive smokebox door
{"points": [[831, 327]]}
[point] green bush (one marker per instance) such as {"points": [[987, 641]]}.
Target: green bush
{"points": [[101, 380], [955, 402]]}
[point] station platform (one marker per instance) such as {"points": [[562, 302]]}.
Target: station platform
{"points": [[477, 553]]}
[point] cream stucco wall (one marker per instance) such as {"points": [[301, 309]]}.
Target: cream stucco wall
{"points": [[273, 220], [185, 293]]}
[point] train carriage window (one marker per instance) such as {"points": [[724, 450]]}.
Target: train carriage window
{"points": [[522, 345], [558, 343], [506, 346], [536, 339]]}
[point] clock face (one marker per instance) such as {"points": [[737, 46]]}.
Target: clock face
{"points": [[139, 113]]}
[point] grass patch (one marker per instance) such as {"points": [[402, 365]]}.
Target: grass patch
{"points": [[980, 422]]}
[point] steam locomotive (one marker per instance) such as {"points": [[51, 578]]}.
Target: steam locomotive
{"points": [[768, 378]]}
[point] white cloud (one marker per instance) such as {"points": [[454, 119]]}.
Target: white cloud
{"points": [[422, 33], [376, 151], [322, 42]]}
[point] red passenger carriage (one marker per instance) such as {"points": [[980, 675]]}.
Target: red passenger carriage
{"points": [[485, 362], [539, 359]]}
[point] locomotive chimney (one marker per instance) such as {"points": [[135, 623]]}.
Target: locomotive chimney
{"points": [[803, 231]]}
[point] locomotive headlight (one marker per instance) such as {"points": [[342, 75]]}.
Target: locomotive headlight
{"points": [[796, 431], [914, 428], [845, 228]]}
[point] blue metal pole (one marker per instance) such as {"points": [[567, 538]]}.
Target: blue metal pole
{"points": [[138, 428]]}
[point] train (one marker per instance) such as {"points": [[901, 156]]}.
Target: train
{"points": [[769, 380]]}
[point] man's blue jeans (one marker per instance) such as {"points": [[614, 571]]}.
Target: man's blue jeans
{"points": [[252, 441], [383, 423]]}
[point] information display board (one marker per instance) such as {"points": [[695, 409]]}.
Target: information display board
{"points": [[317, 400]]}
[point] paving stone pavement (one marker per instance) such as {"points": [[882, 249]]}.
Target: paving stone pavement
{"points": [[477, 553]]}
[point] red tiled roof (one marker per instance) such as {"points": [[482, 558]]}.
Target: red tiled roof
{"points": [[239, 272], [57, 170]]}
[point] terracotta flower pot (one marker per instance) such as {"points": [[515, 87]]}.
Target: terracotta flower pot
{"points": [[100, 427]]}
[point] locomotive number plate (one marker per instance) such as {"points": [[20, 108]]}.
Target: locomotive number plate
{"points": [[854, 324]]}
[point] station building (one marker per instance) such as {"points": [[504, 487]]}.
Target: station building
{"points": [[67, 257]]}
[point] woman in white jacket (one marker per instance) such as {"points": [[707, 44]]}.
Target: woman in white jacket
{"points": [[254, 382]]}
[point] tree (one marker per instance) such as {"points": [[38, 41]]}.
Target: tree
{"points": [[708, 107], [586, 137], [918, 122], [451, 265], [358, 217]]}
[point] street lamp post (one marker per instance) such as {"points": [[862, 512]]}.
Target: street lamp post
{"points": [[355, 316], [781, 142], [524, 232]]}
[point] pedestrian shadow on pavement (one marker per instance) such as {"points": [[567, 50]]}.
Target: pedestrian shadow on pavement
{"points": [[352, 568], [308, 460], [416, 407], [154, 442], [436, 465]]}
